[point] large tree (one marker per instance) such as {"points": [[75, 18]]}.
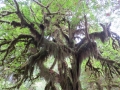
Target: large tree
{"points": [[34, 31]]}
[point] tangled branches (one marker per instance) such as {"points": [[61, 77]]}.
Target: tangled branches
{"points": [[53, 37]]}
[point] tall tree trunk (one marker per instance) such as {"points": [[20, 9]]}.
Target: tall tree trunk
{"points": [[76, 69]]}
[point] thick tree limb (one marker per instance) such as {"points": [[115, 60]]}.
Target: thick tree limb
{"points": [[13, 43], [23, 21], [2, 21], [110, 62], [86, 29], [6, 13], [93, 36], [39, 4]]}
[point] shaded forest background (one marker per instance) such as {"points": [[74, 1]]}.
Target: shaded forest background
{"points": [[64, 44]]}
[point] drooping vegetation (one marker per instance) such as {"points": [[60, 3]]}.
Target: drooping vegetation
{"points": [[67, 31]]}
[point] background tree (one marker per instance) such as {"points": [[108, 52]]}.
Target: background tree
{"points": [[34, 31]]}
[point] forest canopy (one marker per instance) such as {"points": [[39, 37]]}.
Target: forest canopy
{"points": [[73, 36]]}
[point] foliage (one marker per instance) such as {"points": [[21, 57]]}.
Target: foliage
{"points": [[64, 33]]}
